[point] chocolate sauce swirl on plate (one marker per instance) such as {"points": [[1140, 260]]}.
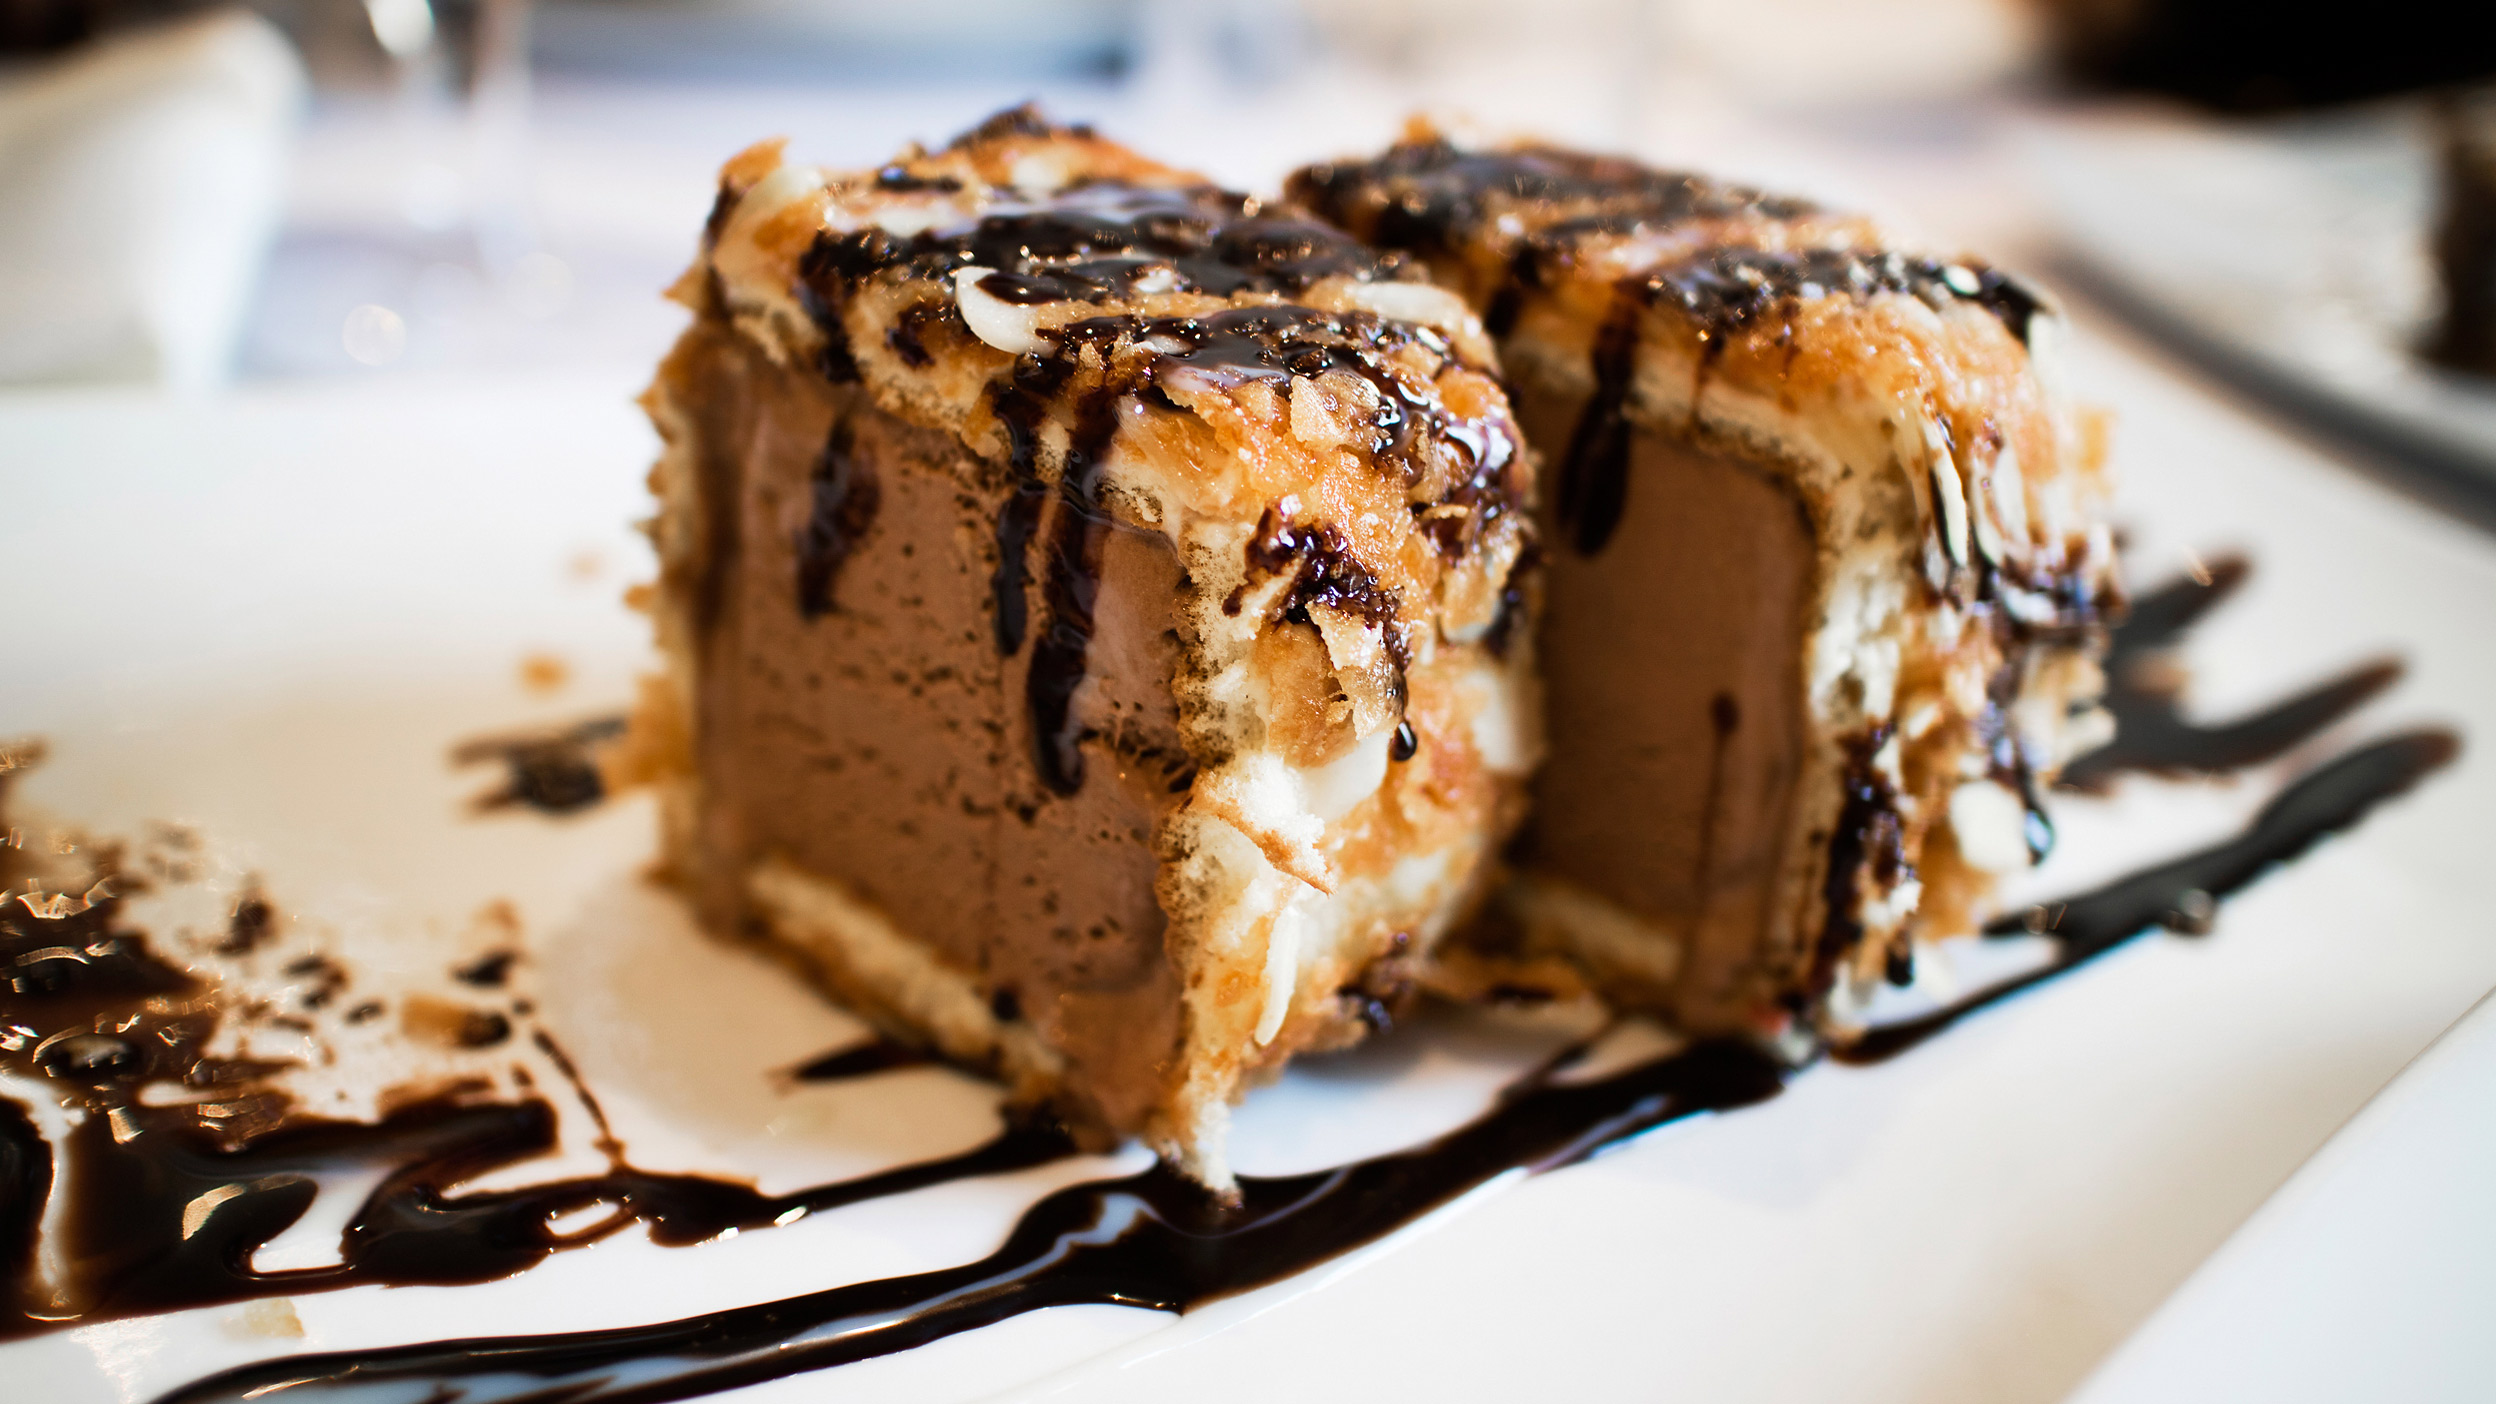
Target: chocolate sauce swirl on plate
{"points": [[1153, 1239], [876, 1055], [2144, 693], [2183, 893], [553, 771], [1157, 1240]]}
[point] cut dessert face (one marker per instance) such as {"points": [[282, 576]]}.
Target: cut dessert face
{"points": [[1099, 613], [1827, 573]]}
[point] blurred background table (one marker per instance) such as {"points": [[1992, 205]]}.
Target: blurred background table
{"points": [[501, 187]]}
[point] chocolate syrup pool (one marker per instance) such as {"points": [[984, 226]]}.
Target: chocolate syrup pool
{"points": [[1151, 1239]]}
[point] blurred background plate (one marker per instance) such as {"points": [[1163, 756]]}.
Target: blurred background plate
{"points": [[2291, 253]]}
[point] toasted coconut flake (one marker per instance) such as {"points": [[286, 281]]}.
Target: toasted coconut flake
{"points": [[1363, 666], [1012, 329]]}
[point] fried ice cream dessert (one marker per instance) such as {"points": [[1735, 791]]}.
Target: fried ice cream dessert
{"points": [[1826, 573], [1098, 611]]}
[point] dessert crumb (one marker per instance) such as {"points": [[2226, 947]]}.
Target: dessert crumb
{"points": [[272, 1317], [544, 674]]}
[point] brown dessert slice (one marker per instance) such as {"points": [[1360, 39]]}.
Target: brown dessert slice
{"points": [[1825, 578], [1097, 641]]}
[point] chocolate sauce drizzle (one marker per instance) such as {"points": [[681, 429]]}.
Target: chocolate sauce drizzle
{"points": [[1723, 291], [1096, 242], [1077, 541], [552, 772], [2183, 893], [876, 1055], [1535, 207], [490, 971], [2144, 692], [908, 338], [136, 1250], [1107, 242], [1404, 744], [25, 1186], [1101, 363], [1594, 475], [165, 1201], [1867, 841], [1324, 571], [1720, 293], [156, 1198], [844, 498], [1153, 1239], [168, 1203], [1434, 197], [2007, 762], [1157, 1240], [1018, 517]]}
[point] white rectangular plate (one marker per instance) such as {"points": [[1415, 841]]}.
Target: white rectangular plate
{"points": [[272, 614]]}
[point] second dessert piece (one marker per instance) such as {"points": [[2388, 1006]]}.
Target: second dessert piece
{"points": [[1826, 576], [1097, 636]]}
